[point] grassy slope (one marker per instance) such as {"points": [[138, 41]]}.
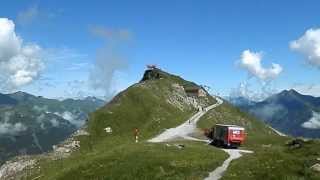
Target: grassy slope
{"points": [[139, 161], [277, 162], [116, 156], [272, 159], [257, 132]]}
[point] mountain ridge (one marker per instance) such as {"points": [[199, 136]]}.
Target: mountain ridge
{"points": [[288, 111], [158, 102], [32, 124], [153, 106]]}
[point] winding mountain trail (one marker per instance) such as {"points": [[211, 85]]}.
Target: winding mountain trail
{"points": [[185, 129], [233, 154]]}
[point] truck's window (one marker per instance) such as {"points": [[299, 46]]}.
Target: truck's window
{"points": [[236, 132]]}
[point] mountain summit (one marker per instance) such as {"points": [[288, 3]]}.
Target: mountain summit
{"points": [[158, 102]]}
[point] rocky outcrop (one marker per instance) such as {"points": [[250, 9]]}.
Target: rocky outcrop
{"points": [[316, 167], [18, 167], [68, 146], [13, 169], [181, 100]]}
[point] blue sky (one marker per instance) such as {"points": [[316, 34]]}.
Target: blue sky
{"points": [[199, 40]]}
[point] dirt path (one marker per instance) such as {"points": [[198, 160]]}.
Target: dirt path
{"points": [[233, 154], [185, 129]]}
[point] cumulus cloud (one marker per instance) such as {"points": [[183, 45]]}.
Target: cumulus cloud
{"points": [[42, 119], [27, 16], [242, 91], [314, 121], [109, 60], [251, 61], [72, 118], [20, 63], [8, 128], [54, 122], [12, 129], [107, 64], [258, 92], [309, 46]]}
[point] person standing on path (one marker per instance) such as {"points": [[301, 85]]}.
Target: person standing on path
{"points": [[136, 135]]}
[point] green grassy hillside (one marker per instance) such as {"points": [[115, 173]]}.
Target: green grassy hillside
{"points": [[152, 105], [272, 158], [278, 161], [257, 132]]}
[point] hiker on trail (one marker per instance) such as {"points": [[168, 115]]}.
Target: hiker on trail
{"points": [[136, 134]]}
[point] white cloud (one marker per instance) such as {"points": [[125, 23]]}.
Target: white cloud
{"points": [[27, 16], [309, 46], [7, 128], [107, 64], [314, 121], [254, 90], [266, 112], [110, 59], [20, 63], [72, 118], [11, 129], [66, 115], [41, 119], [242, 90], [54, 122], [251, 61]]}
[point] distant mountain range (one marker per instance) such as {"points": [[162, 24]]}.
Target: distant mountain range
{"points": [[32, 124], [158, 102], [288, 111], [162, 101]]}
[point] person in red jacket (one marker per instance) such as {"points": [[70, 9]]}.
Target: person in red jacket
{"points": [[136, 134]]}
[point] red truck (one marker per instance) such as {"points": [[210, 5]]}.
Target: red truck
{"points": [[227, 135]]}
